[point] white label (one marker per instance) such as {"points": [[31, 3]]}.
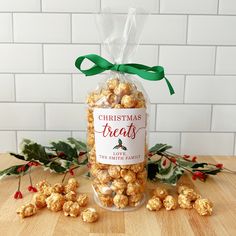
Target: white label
{"points": [[120, 135]]}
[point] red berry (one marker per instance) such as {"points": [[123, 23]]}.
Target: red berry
{"points": [[194, 159], [164, 163], [219, 165], [71, 172], [34, 190], [20, 195], [150, 154], [194, 177], [16, 194], [186, 156], [30, 188]]}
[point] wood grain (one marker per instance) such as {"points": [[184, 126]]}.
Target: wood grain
{"points": [[220, 189]]}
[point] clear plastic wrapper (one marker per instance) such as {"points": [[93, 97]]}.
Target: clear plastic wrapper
{"points": [[117, 120]]}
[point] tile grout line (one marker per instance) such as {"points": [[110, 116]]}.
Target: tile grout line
{"points": [[70, 28], [42, 58], [211, 118], [218, 7], [216, 51], [187, 23], [14, 85], [180, 143], [41, 6], [184, 92], [16, 139], [44, 107], [12, 25], [159, 7], [72, 89]]}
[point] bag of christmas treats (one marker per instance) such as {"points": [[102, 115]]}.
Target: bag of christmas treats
{"points": [[117, 114]]}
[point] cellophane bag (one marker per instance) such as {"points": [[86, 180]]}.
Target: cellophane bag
{"points": [[117, 120]]}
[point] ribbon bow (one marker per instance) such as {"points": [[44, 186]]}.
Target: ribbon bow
{"points": [[100, 65]]}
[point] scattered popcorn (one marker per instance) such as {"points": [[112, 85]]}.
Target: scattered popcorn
{"points": [[203, 206], [71, 196], [106, 200], [71, 208], [39, 199], [181, 188], [154, 204], [82, 199], [160, 192], [134, 200], [58, 188], [55, 202], [184, 202], [89, 215], [27, 210], [169, 203]]}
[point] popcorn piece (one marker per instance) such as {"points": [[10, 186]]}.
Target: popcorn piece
{"points": [[103, 176], [191, 194], [112, 83], [125, 166], [123, 89], [27, 210], [58, 188], [106, 200], [140, 104], [137, 167], [203, 206], [71, 209], [133, 188], [184, 201], [39, 199], [114, 172], [120, 201], [129, 176], [128, 101], [55, 202], [89, 215], [118, 186], [154, 204], [83, 199], [170, 203], [181, 188], [71, 196], [72, 185], [134, 200], [160, 192], [104, 189], [42, 185]]}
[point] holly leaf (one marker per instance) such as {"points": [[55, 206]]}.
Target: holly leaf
{"points": [[70, 153], [13, 170], [17, 156], [80, 146], [119, 141], [159, 148], [34, 151], [116, 147], [57, 167]]}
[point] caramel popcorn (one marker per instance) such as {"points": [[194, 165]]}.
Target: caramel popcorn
{"points": [[154, 204], [106, 200], [104, 189], [82, 199], [160, 192], [71, 208], [134, 200], [203, 206], [133, 188], [58, 188], [72, 185], [137, 167], [103, 176], [71, 196], [39, 199], [114, 172], [112, 83], [184, 201], [89, 215], [181, 188], [128, 101], [129, 176], [55, 202], [27, 210], [120, 200], [123, 89], [170, 203], [118, 186], [41, 185], [190, 194]]}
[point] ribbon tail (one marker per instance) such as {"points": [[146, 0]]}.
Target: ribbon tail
{"points": [[171, 90]]}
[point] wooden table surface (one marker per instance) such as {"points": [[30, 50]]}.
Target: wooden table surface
{"points": [[221, 190]]}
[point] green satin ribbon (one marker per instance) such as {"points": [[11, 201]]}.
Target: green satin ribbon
{"points": [[100, 65]]}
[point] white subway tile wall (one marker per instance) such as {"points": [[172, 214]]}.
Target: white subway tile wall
{"points": [[42, 94]]}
